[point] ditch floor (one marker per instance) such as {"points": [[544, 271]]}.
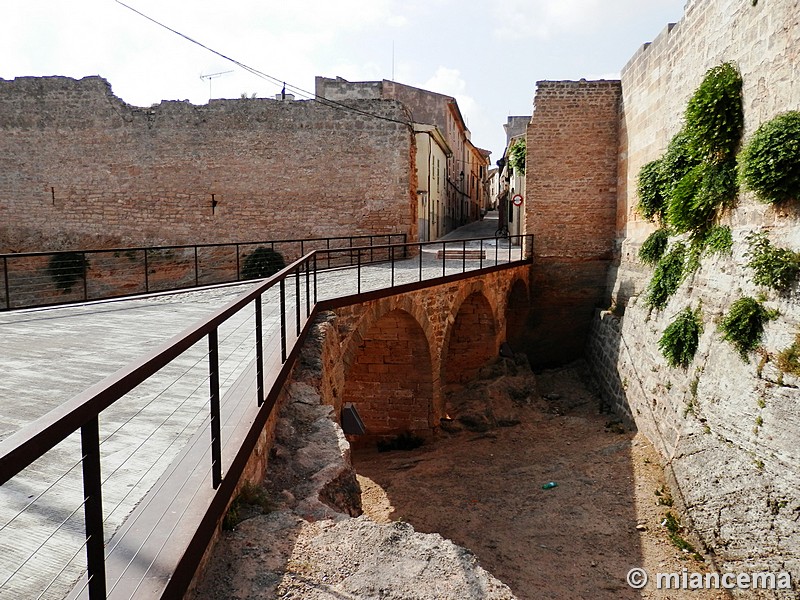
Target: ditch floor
{"points": [[477, 483], [609, 512]]}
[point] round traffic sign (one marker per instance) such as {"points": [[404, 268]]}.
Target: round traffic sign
{"points": [[517, 199]]}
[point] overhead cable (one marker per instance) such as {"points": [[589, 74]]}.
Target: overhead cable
{"points": [[299, 91]]}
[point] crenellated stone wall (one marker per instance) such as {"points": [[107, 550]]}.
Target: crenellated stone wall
{"points": [[79, 168]]}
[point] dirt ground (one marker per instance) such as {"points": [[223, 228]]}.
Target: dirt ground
{"points": [[577, 540]]}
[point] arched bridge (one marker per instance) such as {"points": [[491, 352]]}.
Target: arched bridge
{"points": [[392, 356]]}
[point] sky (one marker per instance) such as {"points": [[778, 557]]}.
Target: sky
{"points": [[488, 54]]}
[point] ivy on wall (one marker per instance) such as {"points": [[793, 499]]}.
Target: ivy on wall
{"points": [[686, 191], [517, 154], [743, 325], [770, 163], [775, 268], [681, 337]]}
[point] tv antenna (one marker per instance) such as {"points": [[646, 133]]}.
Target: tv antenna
{"points": [[211, 76]]}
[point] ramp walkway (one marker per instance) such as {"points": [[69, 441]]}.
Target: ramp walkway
{"points": [[124, 422]]}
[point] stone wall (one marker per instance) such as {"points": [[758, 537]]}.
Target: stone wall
{"points": [[80, 168], [570, 206], [727, 429]]}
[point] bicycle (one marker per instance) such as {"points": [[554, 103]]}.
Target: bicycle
{"points": [[502, 232]]}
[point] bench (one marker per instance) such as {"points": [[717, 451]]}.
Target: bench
{"points": [[461, 254]]}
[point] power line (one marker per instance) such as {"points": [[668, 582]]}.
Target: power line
{"points": [[299, 91]]}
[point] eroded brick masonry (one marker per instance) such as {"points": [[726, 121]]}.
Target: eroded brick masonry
{"points": [[80, 168]]}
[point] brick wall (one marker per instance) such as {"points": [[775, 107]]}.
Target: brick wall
{"points": [[570, 208], [472, 341], [390, 380], [80, 168]]}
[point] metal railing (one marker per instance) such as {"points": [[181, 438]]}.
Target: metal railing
{"points": [[261, 332], [32, 279]]}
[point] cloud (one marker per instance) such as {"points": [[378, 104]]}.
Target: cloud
{"points": [[450, 82], [546, 19]]}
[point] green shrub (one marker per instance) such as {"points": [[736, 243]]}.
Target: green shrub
{"points": [[262, 263], [651, 187], [714, 115], [694, 202], [654, 247], [770, 162], [743, 326], [66, 269], [718, 240], [517, 154], [680, 339], [677, 161], [776, 268], [667, 277]]}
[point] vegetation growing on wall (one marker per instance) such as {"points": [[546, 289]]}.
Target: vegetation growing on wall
{"points": [[700, 194], [788, 360], [743, 325], [667, 277], [654, 247], [718, 240], [261, 263], [688, 187], [776, 268], [651, 187], [66, 269], [679, 341], [517, 154], [770, 162], [714, 115]]}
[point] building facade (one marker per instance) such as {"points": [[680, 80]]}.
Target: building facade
{"points": [[467, 166]]}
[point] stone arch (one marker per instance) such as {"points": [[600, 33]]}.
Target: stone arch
{"points": [[471, 341], [516, 313], [389, 373]]}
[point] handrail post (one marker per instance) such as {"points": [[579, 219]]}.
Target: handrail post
{"points": [[315, 275], [444, 259], [480, 255], [5, 276], [358, 272], [391, 249], [213, 371], [308, 291], [196, 268], [297, 299], [146, 273], [93, 509], [259, 353], [238, 267], [283, 319], [464, 256], [327, 247], [85, 278], [420, 261]]}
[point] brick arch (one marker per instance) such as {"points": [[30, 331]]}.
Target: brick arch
{"points": [[517, 309], [471, 341], [388, 371]]}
